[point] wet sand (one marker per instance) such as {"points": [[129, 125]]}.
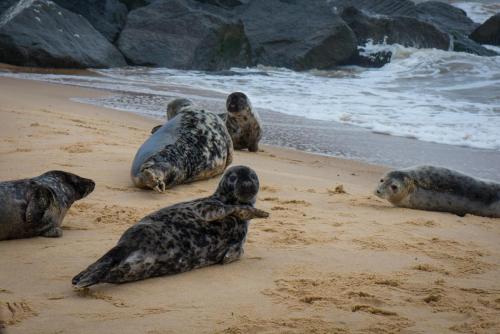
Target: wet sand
{"points": [[330, 259]]}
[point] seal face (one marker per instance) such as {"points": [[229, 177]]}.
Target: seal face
{"points": [[184, 236], [440, 189], [243, 123], [37, 206], [194, 145]]}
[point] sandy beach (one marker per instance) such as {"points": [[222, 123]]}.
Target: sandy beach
{"points": [[332, 258]]}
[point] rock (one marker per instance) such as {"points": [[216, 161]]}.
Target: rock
{"points": [[446, 17], [383, 7], [488, 32], [455, 22], [227, 4], [134, 4], [181, 34], [374, 60], [297, 34], [5, 4], [403, 30], [41, 33], [107, 16]]}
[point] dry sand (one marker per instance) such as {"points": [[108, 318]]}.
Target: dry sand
{"points": [[326, 261]]}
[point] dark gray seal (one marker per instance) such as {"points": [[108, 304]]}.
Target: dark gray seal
{"points": [[184, 236], [243, 123], [192, 146], [37, 206], [173, 108], [440, 189]]}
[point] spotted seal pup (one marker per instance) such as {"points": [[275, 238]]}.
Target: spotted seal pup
{"points": [[173, 108], [243, 123], [440, 189], [37, 206], [183, 236], [194, 145]]}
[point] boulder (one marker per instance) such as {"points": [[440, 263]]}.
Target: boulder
{"points": [[182, 34], [41, 33], [297, 34], [488, 32], [5, 4], [383, 7], [134, 4], [455, 22], [403, 30], [446, 17], [107, 16]]}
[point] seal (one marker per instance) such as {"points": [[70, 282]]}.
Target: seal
{"points": [[173, 108], [243, 123], [440, 189], [37, 206], [192, 146], [184, 236]]}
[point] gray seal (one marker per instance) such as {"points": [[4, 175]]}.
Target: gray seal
{"points": [[182, 237], [37, 206], [174, 107], [243, 123], [440, 189], [192, 146]]}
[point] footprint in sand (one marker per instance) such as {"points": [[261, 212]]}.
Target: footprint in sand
{"points": [[14, 312], [77, 148]]}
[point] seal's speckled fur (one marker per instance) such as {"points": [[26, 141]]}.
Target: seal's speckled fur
{"points": [[184, 236], [37, 206], [440, 189], [194, 145], [243, 123]]}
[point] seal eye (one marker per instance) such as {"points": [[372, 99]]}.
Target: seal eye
{"points": [[381, 180], [232, 178]]}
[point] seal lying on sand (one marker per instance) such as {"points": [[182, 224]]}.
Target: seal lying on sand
{"points": [[243, 123], [184, 236], [194, 145], [37, 206], [440, 189], [173, 108]]}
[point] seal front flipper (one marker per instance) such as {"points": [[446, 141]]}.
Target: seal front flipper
{"points": [[39, 202], [233, 254], [153, 130], [246, 212]]}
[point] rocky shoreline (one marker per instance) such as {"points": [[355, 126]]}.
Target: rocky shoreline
{"points": [[219, 34]]}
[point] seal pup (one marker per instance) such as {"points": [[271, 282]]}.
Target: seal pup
{"points": [[243, 123], [184, 236], [173, 108], [440, 189], [37, 206], [192, 146]]}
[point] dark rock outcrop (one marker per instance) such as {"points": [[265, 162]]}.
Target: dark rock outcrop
{"points": [[297, 34], [5, 4], [383, 7], [453, 21], [41, 33], [488, 32], [403, 30], [446, 17], [181, 34], [107, 16]]}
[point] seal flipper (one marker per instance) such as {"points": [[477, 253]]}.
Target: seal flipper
{"points": [[38, 204], [212, 210], [153, 130], [97, 271], [233, 253]]}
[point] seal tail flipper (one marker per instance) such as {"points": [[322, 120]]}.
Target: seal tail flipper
{"points": [[97, 271]]}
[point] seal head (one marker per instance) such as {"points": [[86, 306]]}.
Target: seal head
{"points": [[239, 185], [393, 186], [237, 102], [176, 106]]}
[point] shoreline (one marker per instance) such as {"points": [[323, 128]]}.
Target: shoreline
{"points": [[326, 261], [328, 138]]}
